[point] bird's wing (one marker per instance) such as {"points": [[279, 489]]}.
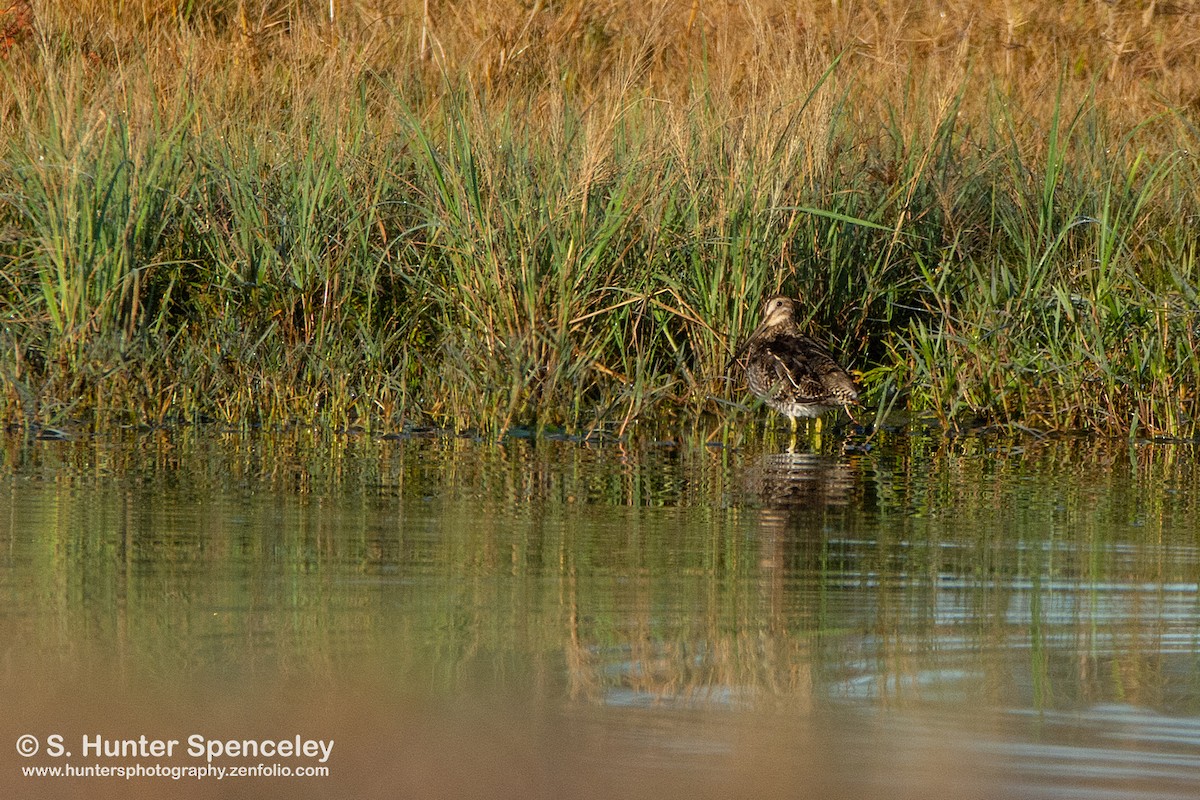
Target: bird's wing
{"points": [[809, 367]]}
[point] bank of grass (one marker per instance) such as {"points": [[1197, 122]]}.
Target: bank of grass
{"points": [[566, 215]]}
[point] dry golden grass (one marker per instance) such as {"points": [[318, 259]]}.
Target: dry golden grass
{"points": [[1139, 58], [16, 23], [253, 63]]}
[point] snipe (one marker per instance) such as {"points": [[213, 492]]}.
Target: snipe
{"points": [[793, 374]]}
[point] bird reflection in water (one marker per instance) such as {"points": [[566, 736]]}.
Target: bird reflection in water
{"points": [[802, 497]]}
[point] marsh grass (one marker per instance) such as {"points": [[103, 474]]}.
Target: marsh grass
{"points": [[566, 217]]}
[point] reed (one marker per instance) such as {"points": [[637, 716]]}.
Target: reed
{"points": [[566, 218]]}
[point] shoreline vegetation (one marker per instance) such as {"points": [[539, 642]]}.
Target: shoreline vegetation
{"points": [[565, 216]]}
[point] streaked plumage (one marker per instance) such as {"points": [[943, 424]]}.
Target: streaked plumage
{"points": [[793, 374]]}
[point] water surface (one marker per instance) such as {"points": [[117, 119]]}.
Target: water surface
{"points": [[967, 617]]}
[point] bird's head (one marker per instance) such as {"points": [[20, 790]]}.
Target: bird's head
{"points": [[778, 311]]}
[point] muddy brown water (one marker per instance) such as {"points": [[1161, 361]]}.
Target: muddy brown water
{"points": [[453, 618]]}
